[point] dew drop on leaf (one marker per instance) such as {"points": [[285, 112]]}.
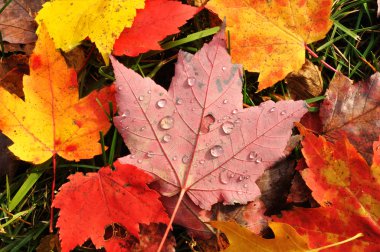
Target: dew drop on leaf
{"points": [[258, 161], [283, 112], [132, 156], [142, 128], [161, 103], [179, 101], [245, 185], [272, 110], [234, 111], [227, 127], [167, 123], [216, 151], [185, 159], [139, 161], [174, 158], [252, 155], [166, 138], [225, 101], [141, 98], [223, 178], [191, 81], [149, 91], [201, 161], [224, 68], [150, 154], [241, 178]]}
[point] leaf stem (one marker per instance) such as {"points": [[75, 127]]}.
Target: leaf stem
{"points": [[52, 192], [181, 195], [322, 61], [338, 243]]}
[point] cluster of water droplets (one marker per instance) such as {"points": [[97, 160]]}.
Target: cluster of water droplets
{"points": [[273, 109], [228, 177]]}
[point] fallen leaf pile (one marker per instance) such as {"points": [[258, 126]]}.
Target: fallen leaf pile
{"points": [[197, 156]]}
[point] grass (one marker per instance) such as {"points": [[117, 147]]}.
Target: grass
{"points": [[351, 47]]}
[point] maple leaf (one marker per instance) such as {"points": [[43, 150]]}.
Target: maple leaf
{"points": [[196, 137], [158, 19], [105, 198], [353, 108], [242, 239], [17, 25], [52, 119], [100, 20], [270, 36], [344, 185]]}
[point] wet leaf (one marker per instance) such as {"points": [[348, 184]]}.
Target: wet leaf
{"points": [[196, 138]]}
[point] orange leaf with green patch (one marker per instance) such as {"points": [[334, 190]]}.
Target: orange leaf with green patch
{"points": [[270, 36], [346, 188], [52, 119]]}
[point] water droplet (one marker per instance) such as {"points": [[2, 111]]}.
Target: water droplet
{"points": [[201, 161], [234, 111], [216, 151], [232, 175], [283, 112], [179, 101], [119, 88], [174, 158], [192, 109], [258, 161], [378, 147], [161, 103], [185, 159], [149, 91], [139, 161], [245, 185], [224, 68], [142, 128], [132, 156], [240, 192], [237, 121], [219, 121], [225, 101], [223, 178], [272, 110], [167, 122], [125, 114], [150, 154], [191, 81], [227, 127], [141, 98], [241, 178], [247, 177], [252, 155], [166, 138]]}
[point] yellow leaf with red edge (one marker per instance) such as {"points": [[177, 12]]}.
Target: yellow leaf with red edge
{"points": [[52, 119], [347, 189], [70, 21], [269, 36]]}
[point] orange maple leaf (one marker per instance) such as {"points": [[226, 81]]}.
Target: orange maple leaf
{"points": [[347, 189], [270, 36], [52, 119]]}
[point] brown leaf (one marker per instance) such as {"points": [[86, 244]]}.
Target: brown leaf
{"points": [[353, 109], [12, 70], [305, 83], [49, 243], [17, 23]]}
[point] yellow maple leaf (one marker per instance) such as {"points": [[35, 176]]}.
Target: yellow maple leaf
{"points": [[286, 239], [70, 21], [52, 119], [269, 36]]}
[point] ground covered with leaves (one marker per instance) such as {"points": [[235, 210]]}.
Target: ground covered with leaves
{"points": [[162, 125]]}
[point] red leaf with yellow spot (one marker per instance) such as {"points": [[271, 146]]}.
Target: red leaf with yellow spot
{"points": [[346, 188], [270, 36], [89, 204], [52, 119]]}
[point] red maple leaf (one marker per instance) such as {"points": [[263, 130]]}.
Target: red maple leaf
{"points": [[90, 203], [347, 189], [152, 24], [196, 138]]}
